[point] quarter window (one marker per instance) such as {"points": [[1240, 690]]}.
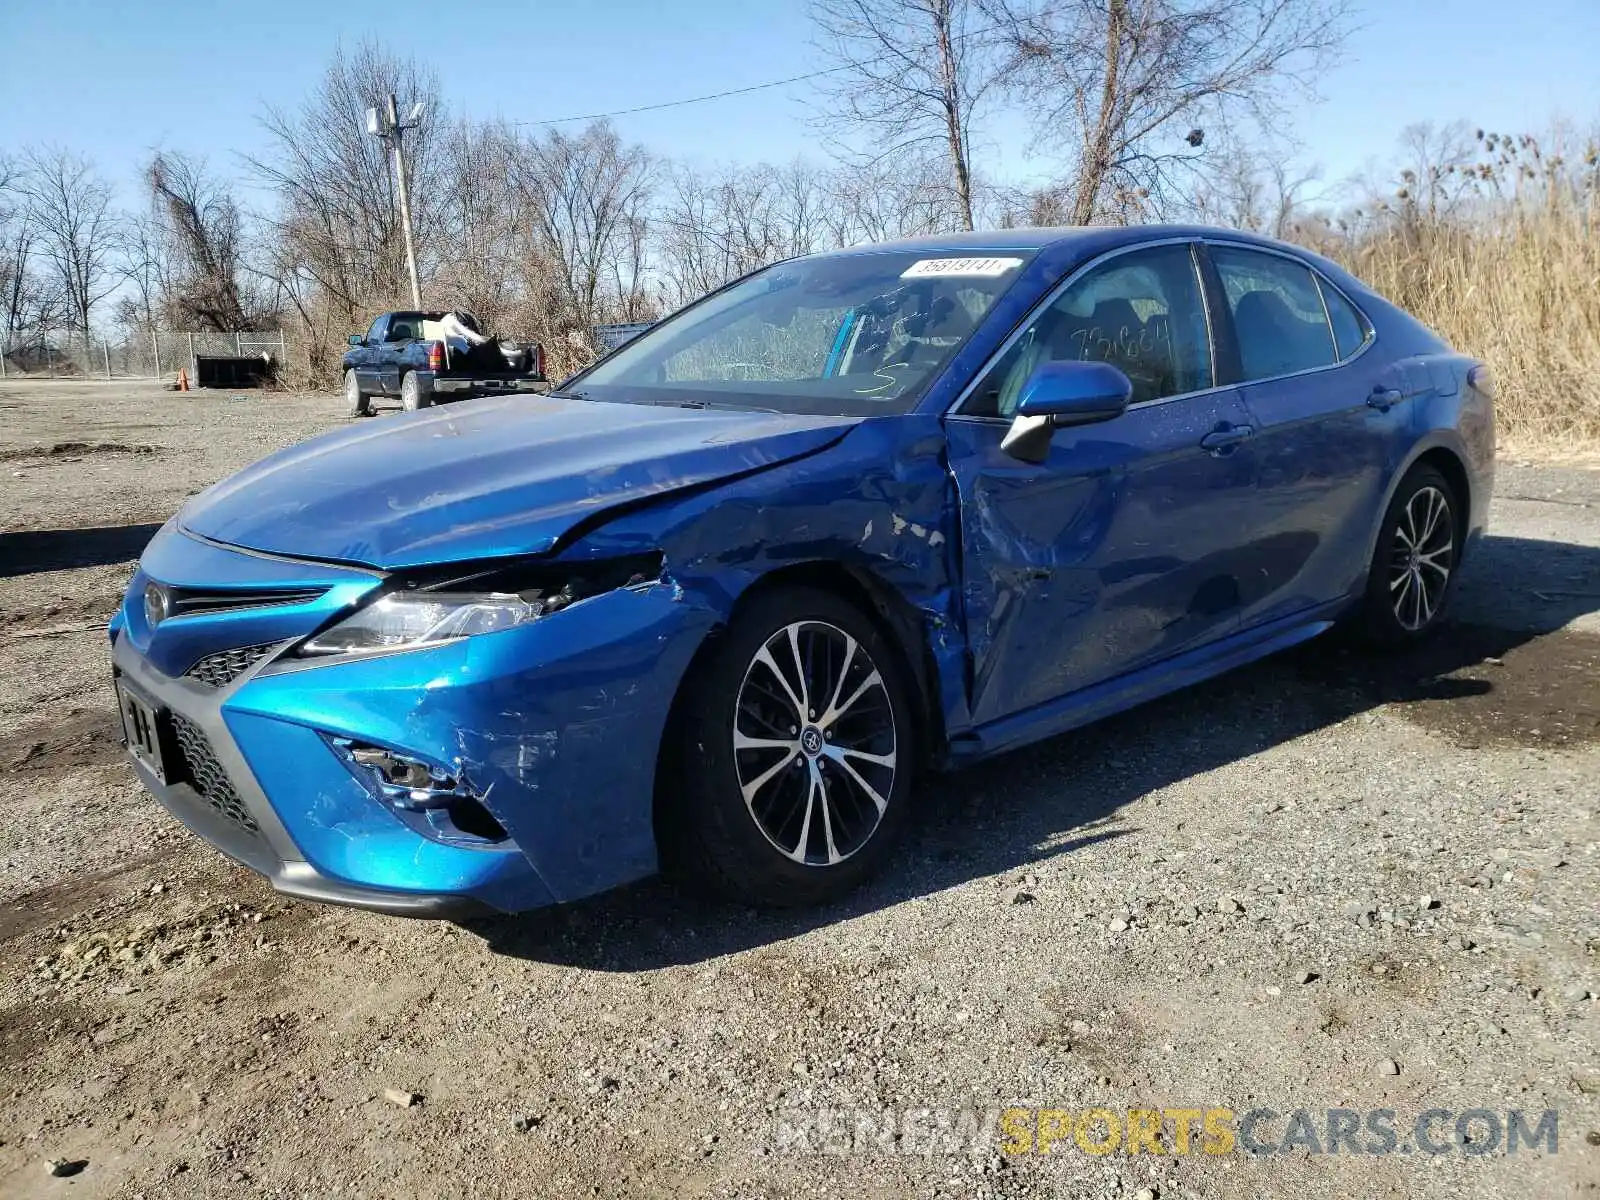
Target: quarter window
{"points": [[1278, 315], [1142, 312], [1350, 329]]}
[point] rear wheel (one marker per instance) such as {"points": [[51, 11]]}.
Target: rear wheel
{"points": [[360, 403], [412, 396], [1414, 567], [790, 771]]}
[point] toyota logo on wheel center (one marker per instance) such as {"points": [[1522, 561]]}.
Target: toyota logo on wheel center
{"points": [[811, 740]]}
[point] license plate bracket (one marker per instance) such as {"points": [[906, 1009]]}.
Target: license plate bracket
{"points": [[142, 729]]}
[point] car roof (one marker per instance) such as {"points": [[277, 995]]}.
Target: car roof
{"points": [[1034, 239]]}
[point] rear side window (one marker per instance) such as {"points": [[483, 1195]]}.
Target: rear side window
{"points": [[1278, 315], [1350, 329]]}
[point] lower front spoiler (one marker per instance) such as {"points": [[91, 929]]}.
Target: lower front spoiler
{"points": [[298, 878]]}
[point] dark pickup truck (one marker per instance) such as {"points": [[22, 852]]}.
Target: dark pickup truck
{"points": [[404, 354]]}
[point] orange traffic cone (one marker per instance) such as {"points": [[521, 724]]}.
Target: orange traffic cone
{"points": [[183, 379]]}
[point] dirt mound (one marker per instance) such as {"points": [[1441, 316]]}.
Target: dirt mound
{"points": [[69, 450]]}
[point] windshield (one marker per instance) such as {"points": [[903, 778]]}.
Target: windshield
{"points": [[840, 335]]}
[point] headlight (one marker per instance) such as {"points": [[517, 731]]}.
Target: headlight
{"points": [[411, 620], [456, 603]]}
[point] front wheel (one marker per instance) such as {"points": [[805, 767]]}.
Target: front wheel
{"points": [[790, 768], [412, 396], [1414, 567], [360, 403]]}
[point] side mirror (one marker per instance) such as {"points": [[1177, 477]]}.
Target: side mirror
{"points": [[355, 339], [1060, 394]]}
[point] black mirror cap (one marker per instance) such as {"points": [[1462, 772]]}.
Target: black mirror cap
{"points": [[1075, 393]]}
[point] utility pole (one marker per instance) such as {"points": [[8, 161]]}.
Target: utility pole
{"points": [[387, 125]]}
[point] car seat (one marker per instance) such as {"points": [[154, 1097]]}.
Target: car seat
{"points": [[1272, 340]]}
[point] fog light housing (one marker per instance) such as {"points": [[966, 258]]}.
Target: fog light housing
{"points": [[433, 801], [420, 782]]}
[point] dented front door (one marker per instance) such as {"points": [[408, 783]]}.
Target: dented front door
{"points": [[1124, 547]]}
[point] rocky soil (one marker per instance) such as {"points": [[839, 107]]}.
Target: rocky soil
{"points": [[1329, 880]]}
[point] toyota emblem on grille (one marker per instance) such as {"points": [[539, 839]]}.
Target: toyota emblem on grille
{"points": [[157, 604]]}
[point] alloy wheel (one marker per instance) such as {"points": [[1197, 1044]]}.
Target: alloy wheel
{"points": [[814, 741], [1421, 558]]}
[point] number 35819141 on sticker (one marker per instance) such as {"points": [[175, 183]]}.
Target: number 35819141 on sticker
{"points": [[986, 268]]}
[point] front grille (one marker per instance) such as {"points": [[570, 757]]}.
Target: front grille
{"points": [[220, 669], [207, 776], [186, 601]]}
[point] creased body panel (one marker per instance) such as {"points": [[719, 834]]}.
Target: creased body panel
{"points": [[880, 505], [485, 479]]}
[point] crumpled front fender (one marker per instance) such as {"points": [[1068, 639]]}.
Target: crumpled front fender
{"points": [[880, 505]]}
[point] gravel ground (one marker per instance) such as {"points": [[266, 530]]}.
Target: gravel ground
{"points": [[1326, 881]]}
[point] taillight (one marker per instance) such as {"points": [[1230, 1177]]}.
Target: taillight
{"points": [[435, 356], [1481, 379], [536, 360]]}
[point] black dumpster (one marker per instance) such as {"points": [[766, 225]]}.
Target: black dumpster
{"points": [[228, 371]]}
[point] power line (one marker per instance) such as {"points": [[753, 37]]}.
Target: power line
{"points": [[754, 87]]}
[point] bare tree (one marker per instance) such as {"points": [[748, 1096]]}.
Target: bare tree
{"points": [[19, 284], [1434, 177], [587, 197], [1256, 186], [913, 75], [339, 247], [905, 197], [715, 224], [1128, 87], [486, 230], [199, 233], [146, 260], [69, 205]]}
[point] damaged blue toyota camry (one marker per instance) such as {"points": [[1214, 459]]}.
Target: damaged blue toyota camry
{"points": [[716, 602]]}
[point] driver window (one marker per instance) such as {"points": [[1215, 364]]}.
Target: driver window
{"points": [[375, 333], [1142, 312]]}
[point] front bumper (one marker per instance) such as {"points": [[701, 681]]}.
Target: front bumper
{"points": [[554, 725], [251, 833]]}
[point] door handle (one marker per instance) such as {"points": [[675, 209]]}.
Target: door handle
{"points": [[1221, 441], [1384, 398]]}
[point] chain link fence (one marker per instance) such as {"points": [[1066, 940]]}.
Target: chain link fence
{"points": [[155, 354]]}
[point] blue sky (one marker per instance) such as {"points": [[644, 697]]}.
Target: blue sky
{"points": [[117, 80]]}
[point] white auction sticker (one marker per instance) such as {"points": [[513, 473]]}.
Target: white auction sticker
{"points": [[985, 268]]}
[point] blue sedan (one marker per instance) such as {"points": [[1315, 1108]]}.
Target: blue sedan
{"points": [[715, 603]]}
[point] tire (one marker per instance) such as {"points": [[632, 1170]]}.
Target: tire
{"points": [[1413, 569], [412, 397], [360, 403], [767, 851]]}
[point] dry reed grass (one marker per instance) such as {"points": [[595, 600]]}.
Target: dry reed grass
{"points": [[1510, 274]]}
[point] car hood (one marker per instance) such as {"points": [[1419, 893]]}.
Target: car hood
{"points": [[487, 478]]}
